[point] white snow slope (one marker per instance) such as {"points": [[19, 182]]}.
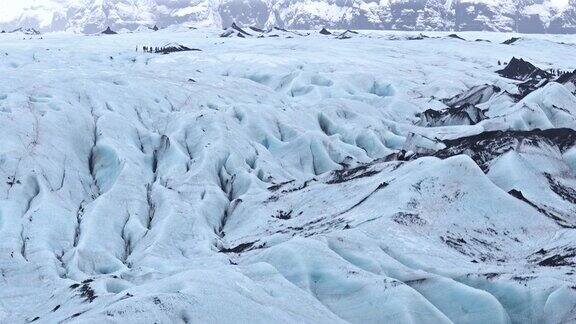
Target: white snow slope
{"points": [[271, 180]]}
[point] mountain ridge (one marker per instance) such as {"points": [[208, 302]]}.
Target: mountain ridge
{"points": [[525, 16]]}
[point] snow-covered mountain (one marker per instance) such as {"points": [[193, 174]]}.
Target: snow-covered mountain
{"points": [[531, 16], [272, 176]]}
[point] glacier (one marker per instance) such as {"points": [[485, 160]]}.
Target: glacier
{"points": [[287, 176]]}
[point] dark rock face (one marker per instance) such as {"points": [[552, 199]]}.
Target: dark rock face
{"points": [[239, 30], [533, 77], [485, 147], [511, 41], [475, 96], [455, 36], [567, 77], [521, 70], [256, 29], [235, 30], [325, 31], [109, 31], [464, 115]]}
